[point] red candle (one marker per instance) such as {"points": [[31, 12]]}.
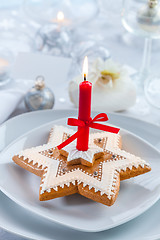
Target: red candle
{"points": [[85, 90]]}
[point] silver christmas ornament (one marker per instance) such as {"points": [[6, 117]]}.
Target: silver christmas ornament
{"points": [[53, 40], [39, 97], [148, 16]]}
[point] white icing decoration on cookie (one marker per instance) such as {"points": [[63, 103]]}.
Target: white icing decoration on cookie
{"points": [[33, 154], [56, 134], [105, 184], [88, 155]]}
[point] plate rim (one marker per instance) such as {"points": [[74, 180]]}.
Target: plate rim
{"points": [[75, 110]]}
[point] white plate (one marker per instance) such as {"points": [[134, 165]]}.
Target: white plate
{"points": [[136, 195], [17, 220]]}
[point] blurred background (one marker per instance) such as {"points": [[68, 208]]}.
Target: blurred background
{"points": [[127, 32]]}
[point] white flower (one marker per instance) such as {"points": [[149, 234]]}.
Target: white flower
{"points": [[106, 73], [113, 89]]}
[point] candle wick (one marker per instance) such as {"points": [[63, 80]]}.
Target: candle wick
{"points": [[85, 77]]}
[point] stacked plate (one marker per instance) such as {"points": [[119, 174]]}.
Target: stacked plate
{"points": [[75, 217]]}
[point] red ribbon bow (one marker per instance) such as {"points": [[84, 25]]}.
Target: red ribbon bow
{"points": [[102, 117]]}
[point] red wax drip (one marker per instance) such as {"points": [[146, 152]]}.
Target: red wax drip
{"points": [[85, 90]]}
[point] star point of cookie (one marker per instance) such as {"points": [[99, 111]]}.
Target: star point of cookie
{"points": [[100, 182]]}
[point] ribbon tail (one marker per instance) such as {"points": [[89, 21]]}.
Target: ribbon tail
{"points": [[104, 128], [70, 139]]}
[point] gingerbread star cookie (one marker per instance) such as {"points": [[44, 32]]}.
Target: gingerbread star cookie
{"points": [[99, 182]]}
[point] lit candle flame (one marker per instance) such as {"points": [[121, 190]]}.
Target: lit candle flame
{"points": [[60, 16], [85, 68]]}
